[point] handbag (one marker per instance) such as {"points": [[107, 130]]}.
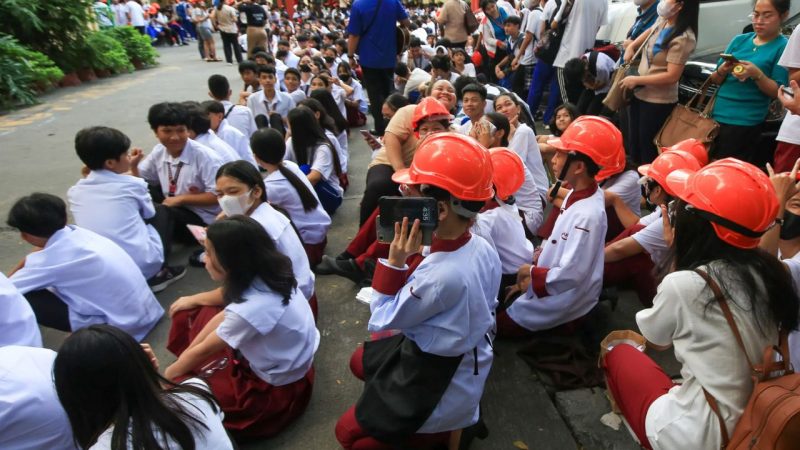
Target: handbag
{"points": [[547, 48], [470, 21], [618, 96], [690, 121]]}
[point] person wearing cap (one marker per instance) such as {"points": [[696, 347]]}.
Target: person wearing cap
{"points": [[444, 312], [721, 214], [565, 282], [636, 251]]}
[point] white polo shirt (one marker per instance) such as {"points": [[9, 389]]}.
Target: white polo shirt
{"points": [[503, 229], [297, 95], [322, 163], [240, 117], [282, 103], [524, 144], [278, 341], [136, 12], [313, 225], [116, 206], [340, 151], [626, 186], [214, 142], [17, 321], [199, 165], [237, 140], [97, 280], [31, 417]]}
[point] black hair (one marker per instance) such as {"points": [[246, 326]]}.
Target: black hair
{"points": [[575, 70], [476, 88], [292, 71], [396, 101], [270, 59], [782, 6], [523, 118], [485, 3], [167, 114], [213, 107], [571, 109], [244, 172], [104, 378], [269, 146], [686, 19], [501, 123], [442, 195], [324, 119], [38, 214], [281, 53], [245, 252], [199, 122], [326, 99], [325, 80], [248, 65], [302, 38], [346, 66], [283, 42], [697, 244], [441, 62], [592, 168], [219, 87], [96, 145], [341, 43], [401, 70], [266, 69], [461, 82], [414, 42], [513, 20], [305, 144]]}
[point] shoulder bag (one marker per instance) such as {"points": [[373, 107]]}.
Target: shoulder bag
{"points": [[618, 96], [546, 49], [470, 21], [692, 120]]}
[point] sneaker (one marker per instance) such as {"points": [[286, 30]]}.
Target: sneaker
{"points": [[198, 258], [344, 255], [165, 277], [344, 268]]}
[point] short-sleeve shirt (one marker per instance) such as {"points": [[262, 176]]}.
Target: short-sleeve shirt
{"points": [[256, 16], [322, 162], [743, 103], [136, 12], [313, 225], [226, 19], [400, 126], [790, 128], [378, 41], [651, 238], [452, 17], [677, 52]]}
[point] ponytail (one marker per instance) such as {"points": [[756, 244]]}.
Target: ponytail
{"points": [[307, 197]]}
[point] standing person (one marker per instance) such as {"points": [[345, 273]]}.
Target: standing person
{"points": [[256, 20], [225, 17], [583, 21], [717, 228], [655, 89], [525, 62], [493, 33], [120, 13], [104, 17], [543, 77], [748, 86], [205, 31], [788, 149], [98, 370], [372, 35], [451, 17], [135, 15]]}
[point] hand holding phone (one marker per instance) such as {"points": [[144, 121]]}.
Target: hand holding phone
{"points": [[393, 210], [787, 91], [727, 57], [406, 242]]}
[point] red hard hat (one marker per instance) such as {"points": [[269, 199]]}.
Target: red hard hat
{"points": [[666, 163], [736, 197], [693, 146], [454, 162], [617, 167], [477, 59], [429, 109], [595, 137], [508, 172]]}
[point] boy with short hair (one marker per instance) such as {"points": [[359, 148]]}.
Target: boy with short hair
{"points": [[248, 70], [473, 104], [269, 101], [219, 125], [504, 70], [199, 127], [593, 70], [78, 278], [291, 79], [239, 116]]}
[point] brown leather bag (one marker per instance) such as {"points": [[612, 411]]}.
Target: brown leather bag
{"points": [[771, 419], [691, 120], [617, 96]]}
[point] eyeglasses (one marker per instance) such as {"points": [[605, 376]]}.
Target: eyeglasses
{"points": [[758, 17]]}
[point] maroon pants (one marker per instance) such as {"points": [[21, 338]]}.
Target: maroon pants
{"points": [[315, 252], [365, 244], [507, 328], [635, 382], [636, 270]]}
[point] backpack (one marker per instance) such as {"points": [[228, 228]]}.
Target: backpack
{"points": [[771, 419], [470, 21]]}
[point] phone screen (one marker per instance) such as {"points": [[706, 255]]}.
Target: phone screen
{"points": [[394, 209]]}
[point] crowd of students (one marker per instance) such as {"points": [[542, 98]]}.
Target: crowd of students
{"points": [[530, 230]]}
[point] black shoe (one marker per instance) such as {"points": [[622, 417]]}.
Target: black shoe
{"points": [[538, 115], [344, 255], [165, 277], [344, 268], [197, 258]]}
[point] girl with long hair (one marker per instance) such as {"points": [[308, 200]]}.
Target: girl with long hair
{"points": [[333, 126]]}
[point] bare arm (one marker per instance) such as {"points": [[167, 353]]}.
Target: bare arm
{"points": [[394, 151], [624, 248], [201, 199], [205, 345], [626, 217]]}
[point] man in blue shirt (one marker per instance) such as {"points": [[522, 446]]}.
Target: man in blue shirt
{"points": [[371, 30]]}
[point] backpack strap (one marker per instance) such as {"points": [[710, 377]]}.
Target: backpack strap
{"points": [[228, 112]]}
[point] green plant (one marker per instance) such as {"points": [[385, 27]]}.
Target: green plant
{"points": [[22, 72], [107, 53], [136, 45]]}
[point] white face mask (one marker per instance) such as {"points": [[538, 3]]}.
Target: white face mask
{"points": [[236, 204], [665, 10]]}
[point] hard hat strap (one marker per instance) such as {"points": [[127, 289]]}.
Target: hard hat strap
{"points": [[733, 226], [562, 175]]}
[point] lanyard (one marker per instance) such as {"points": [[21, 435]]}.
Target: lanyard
{"points": [[173, 181]]}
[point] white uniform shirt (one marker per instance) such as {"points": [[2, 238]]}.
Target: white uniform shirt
{"points": [[199, 166], [211, 437], [651, 238], [533, 22], [358, 95], [212, 141], [297, 95], [116, 206], [237, 140], [573, 260], [502, 228], [710, 358], [529, 201], [605, 68], [287, 242], [322, 163], [136, 12], [525, 145], [447, 308], [583, 22], [339, 96], [790, 128], [626, 186], [120, 9], [282, 103], [340, 151], [17, 322], [240, 117], [97, 280], [313, 225], [650, 218], [31, 417], [278, 341]]}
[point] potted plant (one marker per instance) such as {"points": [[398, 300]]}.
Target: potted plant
{"points": [[137, 46], [107, 55], [25, 73]]}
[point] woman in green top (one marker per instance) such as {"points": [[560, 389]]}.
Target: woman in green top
{"points": [[748, 86]]}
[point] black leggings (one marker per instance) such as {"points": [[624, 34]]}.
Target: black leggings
{"points": [[229, 42], [49, 309], [379, 183], [742, 142]]}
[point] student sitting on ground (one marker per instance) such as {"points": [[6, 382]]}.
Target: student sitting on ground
{"points": [[76, 277], [199, 128], [288, 188], [17, 320], [291, 79], [238, 116], [593, 70], [118, 206], [97, 373], [269, 102], [233, 137], [181, 174], [248, 71], [266, 384], [325, 98]]}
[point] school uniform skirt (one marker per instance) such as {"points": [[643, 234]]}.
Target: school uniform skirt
{"points": [[253, 408]]}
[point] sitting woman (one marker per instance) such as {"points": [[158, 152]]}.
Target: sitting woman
{"points": [[100, 369], [563, 116], [718, 272], [254, 346]]}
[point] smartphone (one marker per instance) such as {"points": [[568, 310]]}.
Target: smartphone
{"points": [[729, 58], [394, 209], [198, 232], [789, 92], [372, 141]]}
